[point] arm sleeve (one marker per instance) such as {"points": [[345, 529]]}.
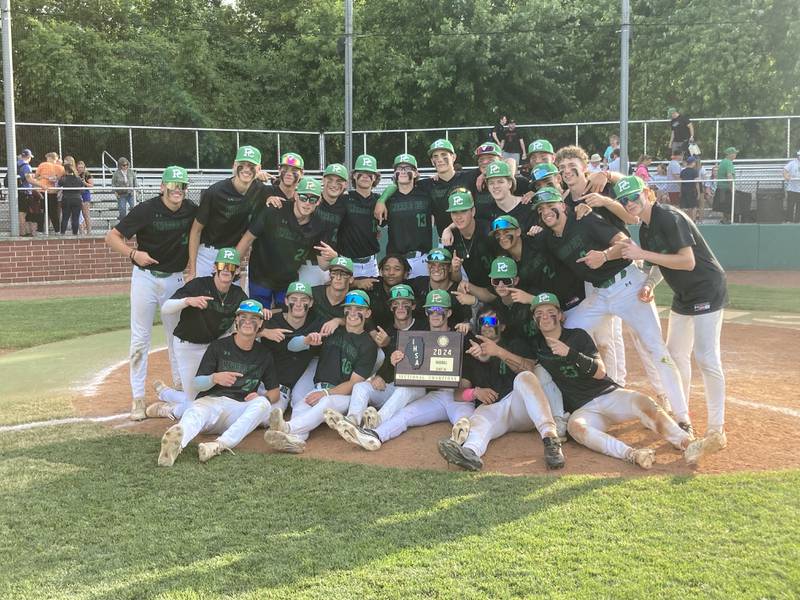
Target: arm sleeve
{"points": [[172, 306], [203, 383]]}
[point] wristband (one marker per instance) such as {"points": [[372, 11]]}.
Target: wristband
{"points": [[327, 393], [605, 255], [586, 364], [468, 394]]}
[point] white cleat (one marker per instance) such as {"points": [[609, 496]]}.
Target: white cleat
{"points": [[284, 442], [371, 419], [332, 418], [158, 387], [460, 431], [713, 442], [170, 446], [644, 457], [276, 422], [208, 450], [360, 436], [159, 410]]}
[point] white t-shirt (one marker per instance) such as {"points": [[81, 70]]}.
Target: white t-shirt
{"points": [[673, 174], [793, 168]]}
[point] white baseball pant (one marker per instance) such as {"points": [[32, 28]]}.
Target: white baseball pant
{"points": [[400, 398], [419, 265], [305, 383], [366, 269], [188, 356], [365, 395], [433, 407], [312, 274], [306, 418], [220, 414]]}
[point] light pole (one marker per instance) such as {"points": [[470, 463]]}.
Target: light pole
{"points": [[348, 84], [625, 35], [10, 117]]}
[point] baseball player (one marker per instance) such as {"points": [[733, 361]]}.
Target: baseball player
{"points": [[161, 227], [671, 242], [206, 307], [393, 270], [594, 400], [502, 187], [546, 175], [588, 247], [358, 231], [414, 407], [347, 357], [227, 401], [223, 214], [290, 172], [440, 277], [485, 154], [329, 299], [508, 397]]}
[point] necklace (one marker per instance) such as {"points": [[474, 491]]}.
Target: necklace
{"points": [[464, 246], [222, 297]]}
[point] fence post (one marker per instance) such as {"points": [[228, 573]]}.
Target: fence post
{"points": [[733, 199], [576, 136], [46, 224], [279, 149], [788, 138], [60, 150], [130, 144], [365, 143], [447, 134], [322, 151], [237, 141], [645, 138], [197, 149], [405, 142], [716, 140]]}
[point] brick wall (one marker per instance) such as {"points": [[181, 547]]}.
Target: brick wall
{"points": [[59, 259]]}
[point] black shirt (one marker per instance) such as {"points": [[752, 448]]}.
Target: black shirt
{"points": [[577, 388], [379, 298], [322, 308], [476, 254], [601, 210], [256, 365], [290, 365], [71, 181], [163, 234], [409, 220], [344, 353], [511, 145], [282, 245], [523, 213], [358, 231], [592, 232], [439, 190], [495, 373], [689, 190], [224, 214], [518, 319], [421, 287], [701, 290], [332, 216], [680, 126], [203, 326]]}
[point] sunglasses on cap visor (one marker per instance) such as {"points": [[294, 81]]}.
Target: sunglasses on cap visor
{"points": [[502, 281], [500, 224], [488, 321], [308, 199], [220, 266], [434, 310], [355, 300]]}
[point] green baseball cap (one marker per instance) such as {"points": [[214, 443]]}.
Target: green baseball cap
{"points": [[357, 298], [341, 262], [461, 200], [249, 154], [309, 186], [543, 170], [229, 256], [175, 174], [503, 266], [545, 298], [401, 290], [292, 159], [488, 148], [253, 307], [498, 168], [547, 195], [336, 169], [540, 146], [298, 287], [629, 186], [441, 255], [731, 150], [438, 298], [671, 110], [505, 222], [406, 159], [366, 163], [441, 144]]}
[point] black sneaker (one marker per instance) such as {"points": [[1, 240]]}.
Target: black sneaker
{"points": [[457, 455], [553, 457], [688, 428]]}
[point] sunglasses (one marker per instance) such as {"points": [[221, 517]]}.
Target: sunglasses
{"points": [[435, 310], [176, 187], [488, 321], [626, 199], [503, 224], [308, 199], [404, 169], [220, 266], [502, 281], [339, 274], [355, 301]]}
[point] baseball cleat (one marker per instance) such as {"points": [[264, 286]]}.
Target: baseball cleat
{"points": [[284, 442], [170, 446], [370, 419], [208, 450], [553, 456], [158, 387], [460, 431], [561, 427], [713, 442], [455, 454], [644, 457], [663, 403], [138, 411], [332, 418], [688, 428], [360, 436], [716, 441], [159, 410], [276, 422]]}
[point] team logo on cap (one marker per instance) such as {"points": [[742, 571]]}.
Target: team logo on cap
{"points": [[494, 169], [438, 144], [300, 287], [177, 172], [248, 152], [309, 184], [458, 200], [485, 148], [537, 145], [405, 158], [337, 169], [367, 161], [623, 185], [436, 298], [543, 297], [502, 267], [291, 160], [228, 253]]}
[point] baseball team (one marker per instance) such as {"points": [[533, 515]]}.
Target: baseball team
{"points": [[537, 274]]}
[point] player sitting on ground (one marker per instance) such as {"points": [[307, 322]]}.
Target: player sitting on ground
{"points": [[440, 277]]}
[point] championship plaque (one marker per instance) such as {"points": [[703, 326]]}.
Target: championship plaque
{"points": [[433, 359]]}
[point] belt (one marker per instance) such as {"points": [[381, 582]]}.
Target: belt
{"points": [[609, 282], [363, 260], [322, 385], [285, 390], [159, 274]]}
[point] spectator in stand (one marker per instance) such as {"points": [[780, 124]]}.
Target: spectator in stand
{"points": [[25, 183], [682, 131], [86, 196], [513, 144], [613, 144], [613, 165], [791, 173], [47, 175], [124, 182], [498, 134], [708, 188], [723, 197], [72, 185], [660, 185], [674, 169], [642, 171], [595, 163], [690, 188]]}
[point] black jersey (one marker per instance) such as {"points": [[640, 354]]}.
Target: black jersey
{"points": [[378, 303], [577, 388], [701, 290], [282, 245], [484, 203], [439, 191], [525, 215], [409, 220], [344, 353], [256, 366], [476, 255], [386, 370], [495, 373], [604, 212], [592, 232], [160, 232], [291, 365], [358, 231], [517, 317], [322, 308], [224, 214], [331, 216], [203, 326], [422, 285]]}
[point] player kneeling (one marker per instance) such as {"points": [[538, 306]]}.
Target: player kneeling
{"points": [[595, 401], [508, 396], [226, 381]]}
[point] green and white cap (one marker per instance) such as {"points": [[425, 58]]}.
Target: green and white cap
{"points": [[298, 287], [309, 187], [438, 298], [731, 150], [629, 186], [253, 307], [405, 159], [547, 195], [498, 168], [460, 200], [488, 148], [540, 146], [229, 256], [336, 169], [175, 174], [671, 110], [545, 298], [502, 267], [543, 170], [357, 298], [249, 154], [441, 144], [441, 255], [341, 262], [401, 291], [292, 159], [366, 163]]}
